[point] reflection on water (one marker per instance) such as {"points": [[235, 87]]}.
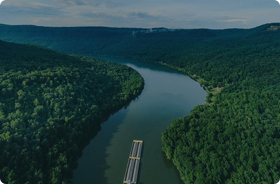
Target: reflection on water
{"points": [[167, 95]]}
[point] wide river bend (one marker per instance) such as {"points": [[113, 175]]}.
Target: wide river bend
{"points": [[167, 95]]}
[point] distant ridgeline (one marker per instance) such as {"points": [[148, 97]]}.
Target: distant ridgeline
{"points": [[51, 105], [235, 137]]}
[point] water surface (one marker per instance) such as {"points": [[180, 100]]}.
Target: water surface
{"points": [[167, 95]]}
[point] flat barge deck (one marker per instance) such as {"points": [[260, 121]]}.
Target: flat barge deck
{"points": [[133, 163]]}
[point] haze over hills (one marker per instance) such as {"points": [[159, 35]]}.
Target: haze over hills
{"points": [[235, 137], [102, 40], [128, 42]]}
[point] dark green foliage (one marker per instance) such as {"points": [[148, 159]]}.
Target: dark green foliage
{"points": [[229, 141], [79, 40], [51, 105], [235, 139]]}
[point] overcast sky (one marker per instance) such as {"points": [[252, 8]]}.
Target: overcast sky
{"points": [[215, 14]]}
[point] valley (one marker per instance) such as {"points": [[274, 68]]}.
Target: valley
{"points": [[234, 138]]}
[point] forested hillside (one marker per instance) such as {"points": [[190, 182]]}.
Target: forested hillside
{"points": [[51, 105], [234, 138], [79, 40]]}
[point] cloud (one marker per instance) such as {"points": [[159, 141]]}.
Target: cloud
{"points": [[233, 20], [89, 3], [120, 15], [23, 9], [70, 2], [39, 20], [145, 13], [140, 15]]}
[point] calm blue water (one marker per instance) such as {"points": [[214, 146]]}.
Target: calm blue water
{"points": [[167, 95]]}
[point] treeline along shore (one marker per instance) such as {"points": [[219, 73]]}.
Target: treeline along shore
{"points": [[51, 105], [234, 138]]}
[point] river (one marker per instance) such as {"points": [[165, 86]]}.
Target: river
{"points": [[167, 95]]}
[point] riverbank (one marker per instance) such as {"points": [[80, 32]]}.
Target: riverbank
{"points": [[211, 91], [161, 101], [51, 105]]}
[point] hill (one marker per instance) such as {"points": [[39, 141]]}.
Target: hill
{"points": [[51, 105], [234, 138]]}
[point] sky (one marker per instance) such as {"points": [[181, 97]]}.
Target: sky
{"points": [[174, 14]]}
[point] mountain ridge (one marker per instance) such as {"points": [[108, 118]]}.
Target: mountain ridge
{"points": [[235, 137]]}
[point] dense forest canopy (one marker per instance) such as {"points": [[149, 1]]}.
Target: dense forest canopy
{"points": [[234, 138], [51, 104]]}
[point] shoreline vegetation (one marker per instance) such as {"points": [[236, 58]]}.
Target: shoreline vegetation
{"points": [[51, 106], [234, 139], [206, 85]]}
